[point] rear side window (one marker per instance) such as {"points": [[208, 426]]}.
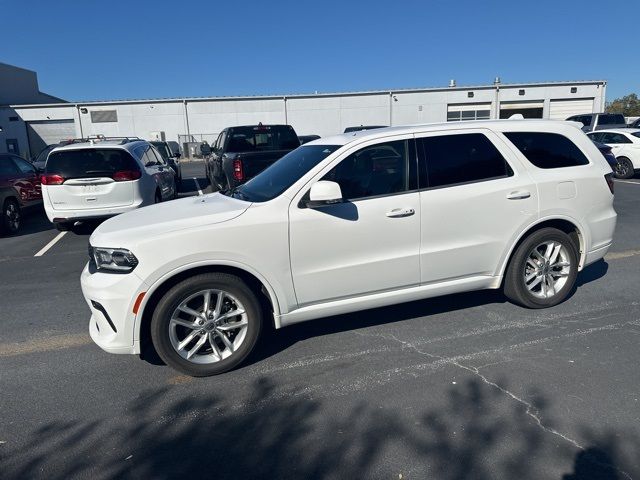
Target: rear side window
{"points": [[262, 138], [456, 159], [614, 138], [6, 166], [548, 150], [89, 162], [611, 120]]}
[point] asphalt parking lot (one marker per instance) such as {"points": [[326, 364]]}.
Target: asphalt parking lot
{"points": [[463, 386]]}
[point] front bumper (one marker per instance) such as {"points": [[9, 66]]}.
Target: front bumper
{"points": [[111, 297]]}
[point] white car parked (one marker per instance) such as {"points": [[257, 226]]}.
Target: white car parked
{"points": [[352, 222], [98, 179], [625, 145]]}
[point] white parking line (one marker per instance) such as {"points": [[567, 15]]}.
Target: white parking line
{"points": [[197, 186], [50, 244], [628, 181]]}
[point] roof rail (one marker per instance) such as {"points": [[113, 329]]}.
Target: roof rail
{"points": [[102, 138]]}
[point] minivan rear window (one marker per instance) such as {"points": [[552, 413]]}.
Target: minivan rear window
{"points": [[89, 162], [548, 150]]}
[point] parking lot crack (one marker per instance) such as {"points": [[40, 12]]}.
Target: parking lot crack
{"points": [[530, 410]]}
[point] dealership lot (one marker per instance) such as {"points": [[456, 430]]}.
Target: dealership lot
{"points": [[464, 386]]}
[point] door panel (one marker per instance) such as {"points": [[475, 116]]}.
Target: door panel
{"points": [[354, 248], [467, 227]]}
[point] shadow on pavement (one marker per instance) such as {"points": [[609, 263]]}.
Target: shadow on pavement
{"points": [[479, 433]]}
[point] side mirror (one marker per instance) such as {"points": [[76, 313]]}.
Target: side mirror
{"points": [[324, 192], [176, 155], [205, 149]]}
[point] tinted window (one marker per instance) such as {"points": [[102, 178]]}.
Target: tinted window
{"points": [[376, 170], [548, 150], [163, 149], [611, 120], [24, 167], [262, 138], [614, 138], [280, 175], [454, 159], [596, 137], [89, 162], [6, 166], [636, 134]]}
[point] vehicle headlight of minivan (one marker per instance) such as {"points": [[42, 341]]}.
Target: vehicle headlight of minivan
{"points": [[113, 259]]}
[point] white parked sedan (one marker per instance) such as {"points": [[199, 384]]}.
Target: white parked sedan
{"points": [[625, 145], [103, 178], [352, 222]]}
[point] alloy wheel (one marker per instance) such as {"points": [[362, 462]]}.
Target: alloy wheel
{"points": [[546, 269], [12, 215], [208, 326]]}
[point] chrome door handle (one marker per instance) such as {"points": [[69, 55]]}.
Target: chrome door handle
{"points": [[400, 212], [519, 195]]}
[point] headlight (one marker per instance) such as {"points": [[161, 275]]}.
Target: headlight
{"points": [[113, 259]]}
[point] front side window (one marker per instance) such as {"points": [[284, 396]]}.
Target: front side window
{"points": [[446, 160], [596, 137], [547, 150], [377, 170]]}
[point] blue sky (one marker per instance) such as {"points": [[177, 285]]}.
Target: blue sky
{"points": [[94, 50]]}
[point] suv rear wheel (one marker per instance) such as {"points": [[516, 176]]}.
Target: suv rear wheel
{"points": [[11, 217], [207, 324], [543, 269]]}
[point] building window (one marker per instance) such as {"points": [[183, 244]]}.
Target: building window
{"points": [[104, 116], [521, 92], [13, 119], [468, 115], [574, 89], [470, 94]]}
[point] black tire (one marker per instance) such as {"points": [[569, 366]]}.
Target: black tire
{"points": [[515, 288], [160, 322], [624, 168], [11, 217], [158, 197], [64, 226]]}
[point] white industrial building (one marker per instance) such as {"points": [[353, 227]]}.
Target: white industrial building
{"points": [[29, 126]]}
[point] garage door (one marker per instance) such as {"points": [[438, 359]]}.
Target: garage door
{"points": [[46, 132], [563, 109], [532, 109]]}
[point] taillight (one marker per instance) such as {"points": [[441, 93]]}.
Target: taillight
{"points": [[51, 179], [238, 174], [609, 178], [125, 175]]}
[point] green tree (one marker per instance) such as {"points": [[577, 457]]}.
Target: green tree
{"points": [[629, 105]]}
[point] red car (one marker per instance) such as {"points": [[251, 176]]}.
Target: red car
{"points": [[19, 190]]}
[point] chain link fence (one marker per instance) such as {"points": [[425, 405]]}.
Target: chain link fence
{"points": [[190, 144]]}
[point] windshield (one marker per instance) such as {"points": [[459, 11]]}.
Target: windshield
{"points": [[275, 179], [163, 149], [636, 134]]}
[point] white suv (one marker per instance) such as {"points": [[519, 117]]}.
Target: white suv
{"points": [[103, 178], [348, 223]]}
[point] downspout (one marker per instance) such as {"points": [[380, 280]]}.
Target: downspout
{"points": [[390, 109], [186, 120], [79, 120], [286, 116]]}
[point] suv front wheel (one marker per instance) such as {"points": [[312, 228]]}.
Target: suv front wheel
{"points": [[543, 269], [207, 324]]}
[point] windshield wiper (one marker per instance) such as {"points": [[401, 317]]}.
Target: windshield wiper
{"points": [[235, 193]]}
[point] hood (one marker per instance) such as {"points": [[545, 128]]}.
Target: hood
{"points": [[126, 229]]}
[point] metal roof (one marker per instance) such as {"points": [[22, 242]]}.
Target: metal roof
{"points": [[319, 95]]}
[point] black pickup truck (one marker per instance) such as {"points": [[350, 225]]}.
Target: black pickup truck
{"points": [[240, 153]]}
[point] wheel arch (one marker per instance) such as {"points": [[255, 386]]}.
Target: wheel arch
{"points": [[565, 224], [257, 283]]}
